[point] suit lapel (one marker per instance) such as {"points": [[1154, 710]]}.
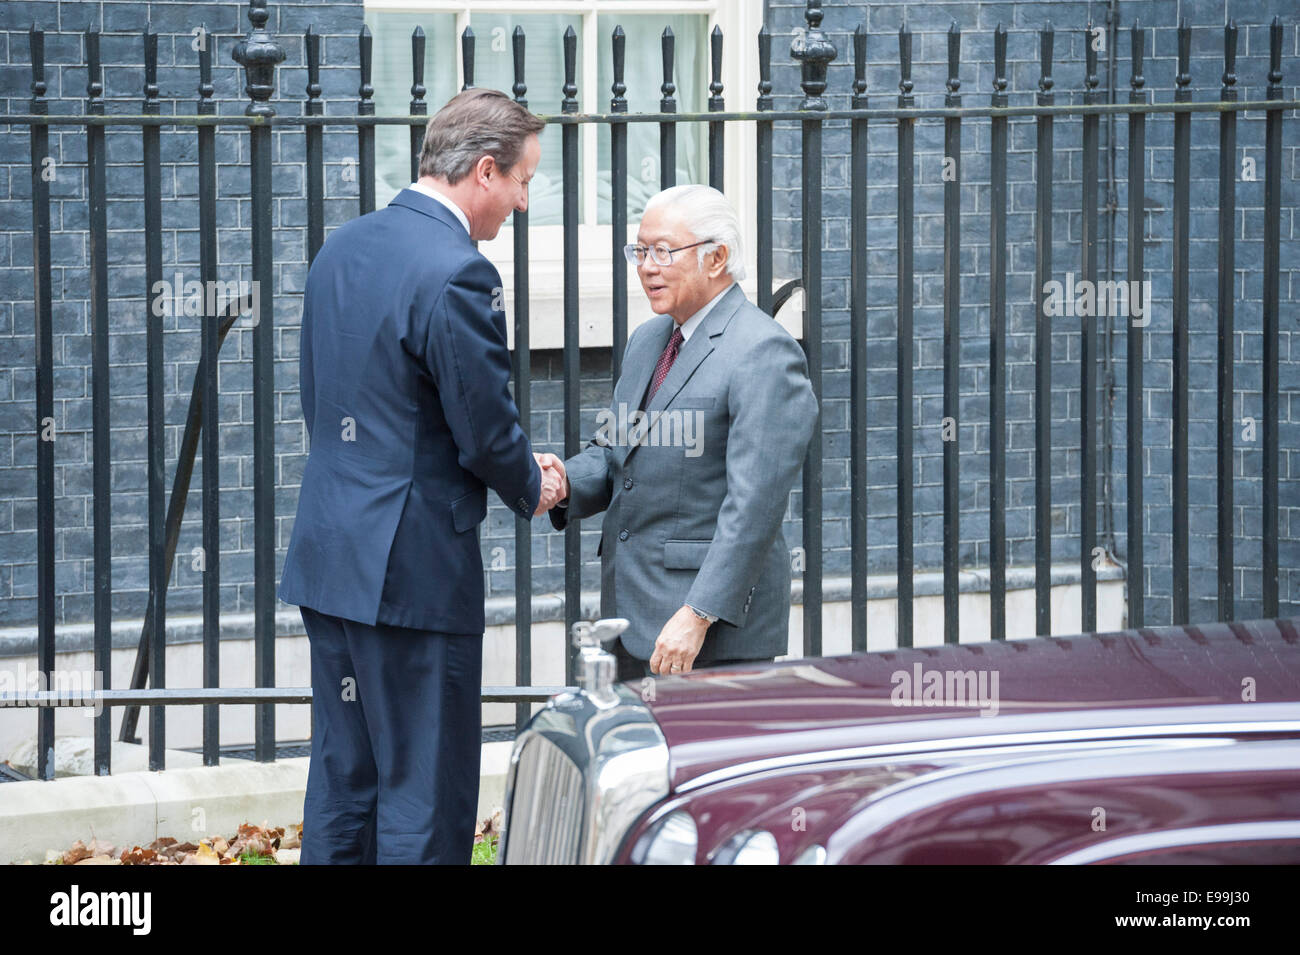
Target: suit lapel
{"points": [[641, 366], [700, 346], [697, 349]]}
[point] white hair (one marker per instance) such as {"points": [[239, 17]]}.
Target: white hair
{"points": [[708, 214]]}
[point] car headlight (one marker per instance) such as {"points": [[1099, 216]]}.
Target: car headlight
{"points": [[813, 855], [750, 847], [672, 842]]}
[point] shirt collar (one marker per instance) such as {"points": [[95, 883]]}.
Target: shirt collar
{"points": [[688, 327], [438, 196]]}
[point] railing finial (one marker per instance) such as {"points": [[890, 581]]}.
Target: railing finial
{"points": [[860, 66], [1045, 41], [95, 73], [715, 56], [1090, 77], [1000, 59], [365, 91], [467, 59], [667, 42], [814, 51], [954, 64], [258, 54], [1183, 79], [570, 102], [311, 42], [36, 40], [618, 104], [1230, 59], [1137, 80], [517, 46], [1274, 59], [151, 104], [765, 101], [418, 91], [904, 64]]}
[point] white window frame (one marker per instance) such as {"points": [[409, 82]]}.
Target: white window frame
{"points": [[740, 21]]}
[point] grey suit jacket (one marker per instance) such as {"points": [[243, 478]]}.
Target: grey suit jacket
{"points": [[694, 493]]}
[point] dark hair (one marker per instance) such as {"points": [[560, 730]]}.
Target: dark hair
{"points": [[475, 123]]}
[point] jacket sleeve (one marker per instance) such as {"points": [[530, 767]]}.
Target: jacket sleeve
{"points": [[468, 357], [772, 417], [591, 470], [591, 485]]}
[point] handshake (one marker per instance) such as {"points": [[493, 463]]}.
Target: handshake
{"points": [[555, 485]]}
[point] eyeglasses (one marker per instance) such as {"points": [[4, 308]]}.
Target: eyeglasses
{"points": [[662, 255]]}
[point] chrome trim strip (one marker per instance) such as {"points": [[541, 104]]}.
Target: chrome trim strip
{"points": [[925, 747], [1189, 837]]}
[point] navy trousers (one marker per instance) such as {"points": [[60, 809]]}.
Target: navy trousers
{"points": [[396, 737]]}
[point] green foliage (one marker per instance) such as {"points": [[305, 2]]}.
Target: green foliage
{"points": [[485, 852]]}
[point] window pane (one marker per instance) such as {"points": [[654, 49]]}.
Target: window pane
{"points": [[643, 73], [392, 82], [494, 67]]}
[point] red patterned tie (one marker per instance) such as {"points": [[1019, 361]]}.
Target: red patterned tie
{"points": [[665, 361]]}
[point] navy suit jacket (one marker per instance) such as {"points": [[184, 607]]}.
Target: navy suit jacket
{"points": [[404, 374]]}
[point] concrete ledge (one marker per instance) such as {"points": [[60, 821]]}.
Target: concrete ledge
{"points": [[129, 809]]}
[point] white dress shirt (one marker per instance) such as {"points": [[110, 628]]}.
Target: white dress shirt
{"points": [[436, 195]]}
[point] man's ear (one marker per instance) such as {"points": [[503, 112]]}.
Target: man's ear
{"points": [[485, 167], [719, 264]]}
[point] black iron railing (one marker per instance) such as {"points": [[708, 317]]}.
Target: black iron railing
{"points": [[259, 54]]}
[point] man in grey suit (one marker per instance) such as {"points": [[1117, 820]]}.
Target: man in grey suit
{"points": [[694, 460]]}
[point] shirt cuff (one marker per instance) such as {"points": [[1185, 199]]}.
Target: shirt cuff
{"points": [[702, 615]]}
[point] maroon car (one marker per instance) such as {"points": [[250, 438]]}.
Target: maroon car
{"points": [[1169, 745]]}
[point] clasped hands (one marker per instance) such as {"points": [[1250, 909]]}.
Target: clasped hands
{"points": [[555, 485]]}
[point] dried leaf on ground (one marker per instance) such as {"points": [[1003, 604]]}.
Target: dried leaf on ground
{"points": [[78, 852], [489, 828], [264, 841], [255, 840], [139, 856], [293, 839], [203, 855]]}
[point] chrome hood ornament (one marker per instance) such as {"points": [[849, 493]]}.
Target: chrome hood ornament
{"points": [[596, 666]]}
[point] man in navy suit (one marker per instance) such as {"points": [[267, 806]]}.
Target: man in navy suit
{"points": [[404, 374]]}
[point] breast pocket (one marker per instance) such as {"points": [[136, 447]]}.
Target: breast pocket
{"points": [[702, 402]]}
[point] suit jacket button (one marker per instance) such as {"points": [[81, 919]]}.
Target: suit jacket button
{"points": [[622, 535], [627, 484]]}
